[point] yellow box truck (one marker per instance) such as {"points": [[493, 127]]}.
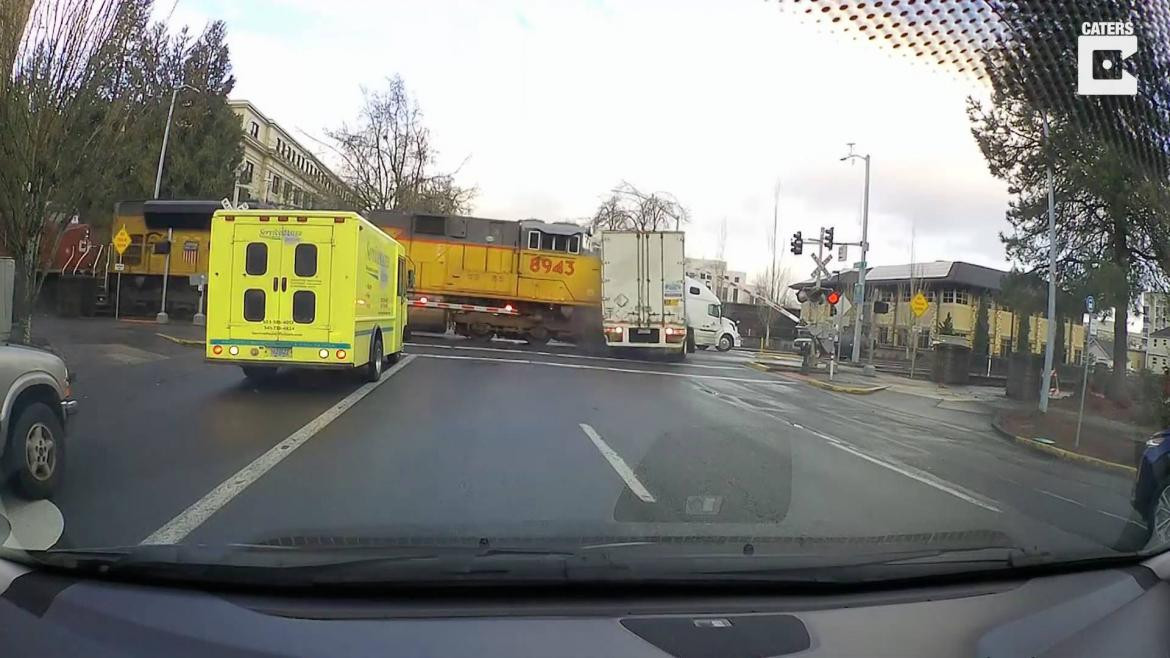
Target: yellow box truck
{"points": [[304, 289]]}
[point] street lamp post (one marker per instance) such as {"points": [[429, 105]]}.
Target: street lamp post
{"points": [[162, 316], [860, 294]]}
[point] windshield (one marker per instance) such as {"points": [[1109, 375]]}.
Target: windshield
{"points": [[406, 290]]}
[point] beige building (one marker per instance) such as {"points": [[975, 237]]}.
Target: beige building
{"points": [[728, 285], [1155, 334], [952, 289], [278, 170]]}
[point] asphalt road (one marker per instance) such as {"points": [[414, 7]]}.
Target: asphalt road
{"points": [[509, 440]]}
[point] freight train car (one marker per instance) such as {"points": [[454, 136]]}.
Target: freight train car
{"points": [[530, 279]]}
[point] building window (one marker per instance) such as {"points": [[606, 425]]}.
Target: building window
{"points": [[1005, 346], [1076, 356], [924, 340], [885, 294], [884, 335], [961, 297], [906, 294], [931, 295], [948, 296], [902, 337], [249, 170], [276, 180], [254, 130]]}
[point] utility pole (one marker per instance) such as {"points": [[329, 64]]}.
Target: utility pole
{"points": [[859, 294], [1050, 345], [162, 317]]}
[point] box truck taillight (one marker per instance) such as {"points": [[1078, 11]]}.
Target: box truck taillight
{"points": [[675, 334]]}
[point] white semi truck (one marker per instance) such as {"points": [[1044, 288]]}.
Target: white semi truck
{"points": [[643, 291]]}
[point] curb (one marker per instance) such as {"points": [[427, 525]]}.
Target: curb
{"points": [[182, 341], [839, 388], [1061, 453]]}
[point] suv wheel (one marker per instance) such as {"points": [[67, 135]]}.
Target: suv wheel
{"points": [[35, 455], [1158, 517]]}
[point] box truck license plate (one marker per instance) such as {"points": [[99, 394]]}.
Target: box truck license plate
{"points": [[280, 351]]}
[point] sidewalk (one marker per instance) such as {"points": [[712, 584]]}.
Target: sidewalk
{"points": [[89, 343], [955, 397], [1104, 443]]}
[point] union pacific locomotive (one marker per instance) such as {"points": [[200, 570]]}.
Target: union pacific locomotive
{"points": [[529, 279]]}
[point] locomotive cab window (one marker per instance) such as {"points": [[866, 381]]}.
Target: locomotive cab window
{"points": [[574, 244], [534, 239]]}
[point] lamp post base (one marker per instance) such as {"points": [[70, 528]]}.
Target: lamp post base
{"points": [[162, 317], [199, 320]]}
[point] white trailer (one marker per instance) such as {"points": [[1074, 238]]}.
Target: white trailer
{"points": [[643, 291]]}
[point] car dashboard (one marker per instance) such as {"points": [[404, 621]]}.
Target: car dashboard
{"points": [[1110, 612]]}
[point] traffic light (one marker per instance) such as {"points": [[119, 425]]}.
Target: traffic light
{"points": [[797, 244], [827, 237]]}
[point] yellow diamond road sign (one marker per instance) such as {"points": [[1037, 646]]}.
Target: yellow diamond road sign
{"points": [[121, 240], [919, 304]]}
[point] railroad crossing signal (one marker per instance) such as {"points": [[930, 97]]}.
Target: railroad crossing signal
{"points": [[797, 244], [919, 304], [820, 272], [833, 297], [121, 240]]}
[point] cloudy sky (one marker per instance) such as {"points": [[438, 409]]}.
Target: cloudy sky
{"points": [[548, 105]]}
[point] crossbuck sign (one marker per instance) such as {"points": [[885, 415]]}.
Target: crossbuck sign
{"points": [[819, 272]]}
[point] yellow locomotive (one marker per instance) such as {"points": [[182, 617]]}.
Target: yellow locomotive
{"points": [[529, 279], [149, 224]]}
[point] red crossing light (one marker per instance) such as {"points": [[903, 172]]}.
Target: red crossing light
{"points": [[833, 297]]}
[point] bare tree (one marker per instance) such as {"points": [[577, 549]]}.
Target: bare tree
{"points": [[62, 111], [628, 208], [388, 158]]}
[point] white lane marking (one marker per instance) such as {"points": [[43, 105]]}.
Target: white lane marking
{"points": [[1060, 497], [581, 366], [914, 474], [1121, 518], [195, 515], [615, 460], [738, 366]]}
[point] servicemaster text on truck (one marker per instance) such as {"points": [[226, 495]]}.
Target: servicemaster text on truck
{"points": [[304, 289]]}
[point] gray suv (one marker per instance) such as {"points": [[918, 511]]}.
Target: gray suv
{"points": [[35, 403]]}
